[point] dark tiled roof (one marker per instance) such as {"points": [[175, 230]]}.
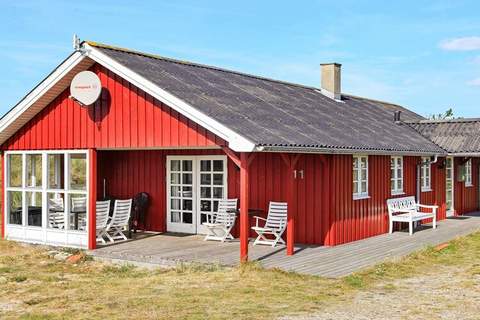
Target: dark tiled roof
{"points": [[276, 113], [455, 136]]}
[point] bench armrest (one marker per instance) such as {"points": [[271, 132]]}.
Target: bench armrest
{"points": [[426, 206]]}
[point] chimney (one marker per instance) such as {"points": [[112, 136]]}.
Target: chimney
{"points": [[331, 80]]}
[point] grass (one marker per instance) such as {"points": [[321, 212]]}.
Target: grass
{"points": [[34, 286]]}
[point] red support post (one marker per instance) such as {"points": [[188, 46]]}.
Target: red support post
{"points": [[244, 203], [290, 161], [92, 198], [290, 215]]}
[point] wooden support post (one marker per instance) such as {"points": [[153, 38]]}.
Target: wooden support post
{"points": [[244, 204], [92, 199]]}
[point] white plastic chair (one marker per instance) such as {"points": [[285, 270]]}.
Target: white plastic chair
{"points": [[275, 224], [120, 218], [221, 222], [56, 217], [102, 211]]}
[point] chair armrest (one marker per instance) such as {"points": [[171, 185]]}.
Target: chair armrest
{"points": [[211, 217], [258, 218]]}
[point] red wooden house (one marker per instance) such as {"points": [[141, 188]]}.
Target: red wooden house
{"points": [[190, 134]]}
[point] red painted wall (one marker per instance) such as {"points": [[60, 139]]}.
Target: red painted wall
{"points": [[466, 198], [124, 117]]}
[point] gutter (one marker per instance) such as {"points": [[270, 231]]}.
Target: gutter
{"points": [[322, 150]]}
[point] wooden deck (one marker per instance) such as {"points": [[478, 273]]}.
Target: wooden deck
{"points": [[170, 249]]}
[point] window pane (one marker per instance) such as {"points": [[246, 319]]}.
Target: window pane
{"points": [[187, 178], [218, 165], [34, 170], [364, 174], [399, 185], [56, 210], [175, 217], [77, 217], [187, 165], [364, 162], [15, 166], [355, 175], [205, 192], [175, 178], [175, 165], [34, 209], [218, 192], [56, 171], [355, 187], [15, 199], [392, 184], [205, 165], [205, 179], [392, 163], [175, 192], [187, 217], [364, 187], [78, 172], [392, 174], [218, 179]]}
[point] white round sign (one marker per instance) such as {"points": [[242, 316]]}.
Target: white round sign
{"points": [[86, 87]]}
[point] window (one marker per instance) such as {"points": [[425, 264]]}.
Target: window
{"points": [[396, 179], [468, 173], [37, 186], [360, 177], [425, 174]]}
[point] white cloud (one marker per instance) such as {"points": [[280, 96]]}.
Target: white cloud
{"points": [[474, 82], [461, 44]]}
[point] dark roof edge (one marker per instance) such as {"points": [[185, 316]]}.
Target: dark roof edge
{"points": [[439, 121], [321, 150]]}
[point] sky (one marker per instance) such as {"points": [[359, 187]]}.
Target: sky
{"points": [[421, 54]]}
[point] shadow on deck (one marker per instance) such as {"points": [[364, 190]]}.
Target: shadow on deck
{"points": [[169, 249]]}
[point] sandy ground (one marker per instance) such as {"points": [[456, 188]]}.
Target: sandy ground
{"points": [[447, 293]]}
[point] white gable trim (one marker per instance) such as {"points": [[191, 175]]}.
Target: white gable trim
{"points": [[235, 141], [41, 95]]}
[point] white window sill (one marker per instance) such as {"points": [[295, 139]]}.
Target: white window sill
{"points": [[468, 185], [360, 196], [427, 190], [397, 193]]}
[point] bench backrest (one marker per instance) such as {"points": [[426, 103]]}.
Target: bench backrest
{"points": [[398, 204]]}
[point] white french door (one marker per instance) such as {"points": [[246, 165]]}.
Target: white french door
{"points": [[195, 184], [449, 167]]}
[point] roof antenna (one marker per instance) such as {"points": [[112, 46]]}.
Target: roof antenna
{"points": [[76, 42]]}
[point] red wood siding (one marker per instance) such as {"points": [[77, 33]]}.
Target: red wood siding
{"points": [[124, 117], [466, 198]]}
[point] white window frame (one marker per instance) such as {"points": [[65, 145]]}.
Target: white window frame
{"points": [[44, 235], [468, 173], [426, 171], [395, 178], [359, 193]]}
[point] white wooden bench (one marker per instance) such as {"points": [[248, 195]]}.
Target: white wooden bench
{"points": [[407, 210]]}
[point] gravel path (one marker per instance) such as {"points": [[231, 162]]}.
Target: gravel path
{"points": [[447, 293]]}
